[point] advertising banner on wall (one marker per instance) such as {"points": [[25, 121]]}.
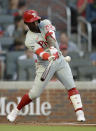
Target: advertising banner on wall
{"points": [[34, 108], [52, 106]]}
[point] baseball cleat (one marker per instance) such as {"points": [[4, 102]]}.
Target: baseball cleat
{"points": [[13, 114], [80, 116]]}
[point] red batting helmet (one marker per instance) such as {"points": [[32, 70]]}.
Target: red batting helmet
{"points": [[30, 16]]}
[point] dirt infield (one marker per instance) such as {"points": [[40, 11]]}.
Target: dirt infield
{"points": [[52, 124]]}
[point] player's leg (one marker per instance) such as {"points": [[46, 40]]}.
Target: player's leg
{"points": [[65, 77], [39, 85], [35, 92]]}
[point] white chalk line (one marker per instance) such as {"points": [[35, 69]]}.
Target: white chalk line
{"points": [[61, 124], [72, 124]]}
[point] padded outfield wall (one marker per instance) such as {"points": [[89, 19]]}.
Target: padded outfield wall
{"points": [[52, 106]]}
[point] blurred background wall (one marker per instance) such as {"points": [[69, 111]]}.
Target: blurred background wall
{"points": [[53, 106]]}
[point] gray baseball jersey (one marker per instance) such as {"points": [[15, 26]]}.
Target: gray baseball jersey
{"points": [[37, 42]]}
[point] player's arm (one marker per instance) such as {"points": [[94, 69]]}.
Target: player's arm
{"points": [[51, 39], [48, 30], [52, 42], [38, 50], [41, 53], [45, 55]]}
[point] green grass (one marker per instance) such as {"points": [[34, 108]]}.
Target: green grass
{"points": [[44, 128]]}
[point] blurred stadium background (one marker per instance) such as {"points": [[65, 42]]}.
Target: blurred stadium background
{"points": [[75, 22], [74, 31]]}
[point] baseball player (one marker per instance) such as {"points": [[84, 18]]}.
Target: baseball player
{"points": [[42, 41]]}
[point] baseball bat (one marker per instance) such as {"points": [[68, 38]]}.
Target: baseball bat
{"points": [[45, 73]]}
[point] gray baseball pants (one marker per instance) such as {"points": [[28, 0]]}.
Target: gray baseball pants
{"points": [[62, 71]]}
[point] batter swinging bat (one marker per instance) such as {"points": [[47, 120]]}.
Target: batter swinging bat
{"points": [[45, 73]]}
